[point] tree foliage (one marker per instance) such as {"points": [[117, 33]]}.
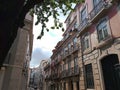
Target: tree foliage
{"points": [[13, 12], [53, 8]]}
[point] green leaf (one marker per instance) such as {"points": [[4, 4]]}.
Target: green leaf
{"points": [[48, 8], [63, 29], [53, 27]]}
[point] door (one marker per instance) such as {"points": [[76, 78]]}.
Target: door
{"points": [[109, 74]]}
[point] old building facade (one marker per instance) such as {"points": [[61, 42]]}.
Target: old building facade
{"points": [[88, 56], [47, 69], [37, 77], [14, 73]]}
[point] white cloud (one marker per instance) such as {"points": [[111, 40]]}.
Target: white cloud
{"points": [[42, 49]]}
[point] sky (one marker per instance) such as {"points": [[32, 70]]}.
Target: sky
{"points": [[42, 48]]}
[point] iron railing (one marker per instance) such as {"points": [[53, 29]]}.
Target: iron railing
{"points": [[83, 24], [101, 5]]}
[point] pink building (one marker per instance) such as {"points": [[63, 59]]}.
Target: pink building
{"points": [[88, 56]]}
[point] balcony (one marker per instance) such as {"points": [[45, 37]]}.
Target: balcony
{"points": [[63, 74], [75, 48], [55, 76], [48, 77], [99, 11], [105, 42], [57, 61], [84, 25], [67, 54], [70, 71]]}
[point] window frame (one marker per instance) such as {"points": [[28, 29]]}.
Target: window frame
{"points": [[75, 60], [84, 9], [86, 37], [89, 76], [69, 47], [74, 42], [69, 64], [64, 66], [104, 24]]}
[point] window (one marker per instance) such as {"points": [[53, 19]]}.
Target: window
{"points": [[68, 22], [76, 61], [69, 47], [64, 67], [86, 41], [83, 14], [102, 30], [74, 41], [65, 50], [89, 76], [69, 64], [95, 2], [64, 86], [69, 67], [75, 25]]}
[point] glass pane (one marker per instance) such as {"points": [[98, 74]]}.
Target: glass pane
{"points": [[75, 40], [89, 76], [100, 35], [95, 2], [84, 46], [69, 65], [75, 61], [105, 31], [102, 30], [87, 43], [83, 14]]}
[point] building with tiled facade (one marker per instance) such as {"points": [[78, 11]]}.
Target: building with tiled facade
{"points": [[88, 56]]}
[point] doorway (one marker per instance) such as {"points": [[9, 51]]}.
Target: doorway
{"points": [[109, 74]]}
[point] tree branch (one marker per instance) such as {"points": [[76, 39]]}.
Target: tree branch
{"points": [[29, 4]]}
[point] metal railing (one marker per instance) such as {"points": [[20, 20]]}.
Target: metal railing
{"points": [[83, 24], [101, 5]]}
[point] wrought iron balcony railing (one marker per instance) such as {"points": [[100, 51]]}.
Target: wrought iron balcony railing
{"points": [[99, 10], [55, 76], [71, 71], [75, 47], [83, 24], [63, 74]]}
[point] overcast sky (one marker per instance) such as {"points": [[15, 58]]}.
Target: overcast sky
{"points": [[42, 49]]}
